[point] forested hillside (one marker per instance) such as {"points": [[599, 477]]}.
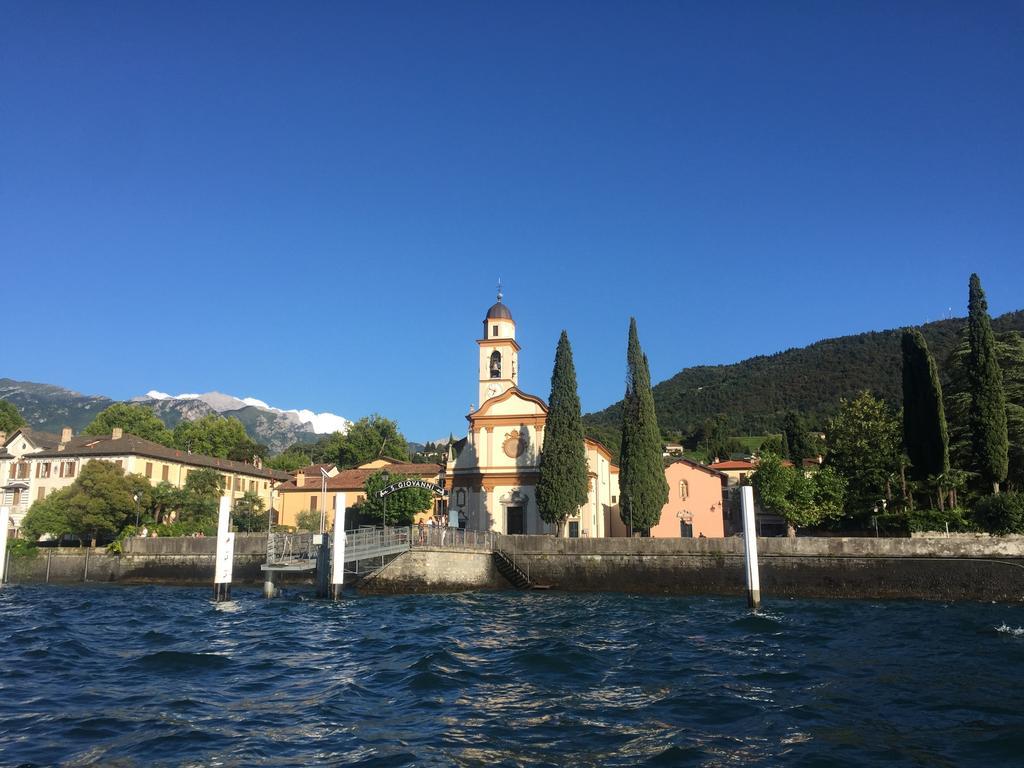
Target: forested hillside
{"points": [[754, 395]]}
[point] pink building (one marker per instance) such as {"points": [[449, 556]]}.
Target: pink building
{"points": [[694, 504]]}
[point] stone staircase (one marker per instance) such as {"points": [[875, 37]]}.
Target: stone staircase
{"points": [[507, 567]]}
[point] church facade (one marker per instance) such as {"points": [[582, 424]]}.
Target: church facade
{"points": [[493, 471]]}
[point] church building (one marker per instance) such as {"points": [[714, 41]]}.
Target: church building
{"points": [[493, 471]]}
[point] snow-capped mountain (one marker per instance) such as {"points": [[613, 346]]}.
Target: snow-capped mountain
{"points": [[319, 423]]}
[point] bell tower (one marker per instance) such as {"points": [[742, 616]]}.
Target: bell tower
{"points": [[499, 352]]}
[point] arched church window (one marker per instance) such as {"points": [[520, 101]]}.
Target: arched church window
{"points": [[495, 364]]}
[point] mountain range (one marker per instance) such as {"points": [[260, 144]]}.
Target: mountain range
{"points": [[50, 408]]}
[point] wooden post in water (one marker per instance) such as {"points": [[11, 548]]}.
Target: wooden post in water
{"points": [[225, 552], [5, 516], [338, 550], [750, 547]]}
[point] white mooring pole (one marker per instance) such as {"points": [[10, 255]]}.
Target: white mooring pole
{"points": [[750, 547], [338, 548], [5, 516], [225, 552]]}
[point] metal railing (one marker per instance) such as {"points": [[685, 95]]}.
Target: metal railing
{"points": [[291, 548], [367, 543], [436, 536]]}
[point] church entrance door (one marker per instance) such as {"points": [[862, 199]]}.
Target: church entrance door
{"points": [[515, 520]]}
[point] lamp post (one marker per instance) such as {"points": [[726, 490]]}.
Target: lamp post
{"points": [[387, 479], [136, 497]]}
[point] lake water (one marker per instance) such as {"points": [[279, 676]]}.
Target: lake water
{"points": [[143, 676]]}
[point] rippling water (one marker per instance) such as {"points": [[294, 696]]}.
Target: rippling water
{"points": [[133, 676]]}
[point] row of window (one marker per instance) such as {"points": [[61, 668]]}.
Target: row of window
{"points": [[45, 469]]}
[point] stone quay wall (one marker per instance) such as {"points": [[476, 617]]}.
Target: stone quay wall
{"points": [[940, 568], [936, 568]]}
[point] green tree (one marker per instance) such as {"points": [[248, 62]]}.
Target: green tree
{"points": [[401, 506], [101, 501], [864, 449], [201, 495], [563, 481], [134, 419], [371, 438], [643, 490], [987, 414], [925, 437], [803, 499], [288, 461], [10, 417], [308, 520], [1010, 356], [249, 513], [48, 516], [215, 435], [797, 440], [773, 444], [164, 499]]}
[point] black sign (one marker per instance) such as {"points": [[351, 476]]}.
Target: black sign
{"points": [[401, 485]]}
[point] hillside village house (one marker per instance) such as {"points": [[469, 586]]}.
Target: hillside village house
{"points": [[694, 505], [34, 464], [493, 471], [313, 488]]}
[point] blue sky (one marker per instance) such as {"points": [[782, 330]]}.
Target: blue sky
{"points": [[311, 203]]}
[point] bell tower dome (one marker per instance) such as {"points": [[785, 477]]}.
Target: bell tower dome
{"points": [[499, 352]]}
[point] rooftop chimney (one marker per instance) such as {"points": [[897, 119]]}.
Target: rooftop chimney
{"points": [[117, 434], [300, 479], [65, 434]]}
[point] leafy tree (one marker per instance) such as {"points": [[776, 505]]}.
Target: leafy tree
{"points": [[563, 481], [289, 461], [100, 501], [215, 435], [1001, 514], [10, 417], [164, 499], [401, 506], [774, 444], [796, 438], [249, 513], [371, 438], [713, 437], [643, 490], [134, 419], [308, 520], [925, 437], [803, 499], [864, 449], [48, 516], [201, 495], [987, 414]]}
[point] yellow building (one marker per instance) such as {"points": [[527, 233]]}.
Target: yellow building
{"points": [[55, 462], [493, 471], [313, 488]]}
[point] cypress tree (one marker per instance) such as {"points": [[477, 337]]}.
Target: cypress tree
{"points": [[563, 482], [925, 437], [643, 490], [987, 415], [794, 430]]}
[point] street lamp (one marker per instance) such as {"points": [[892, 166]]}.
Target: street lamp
{"points": [[136, 497], [387, 478]]}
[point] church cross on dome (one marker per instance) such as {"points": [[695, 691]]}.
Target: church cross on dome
{"points": [[500, 294]]}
